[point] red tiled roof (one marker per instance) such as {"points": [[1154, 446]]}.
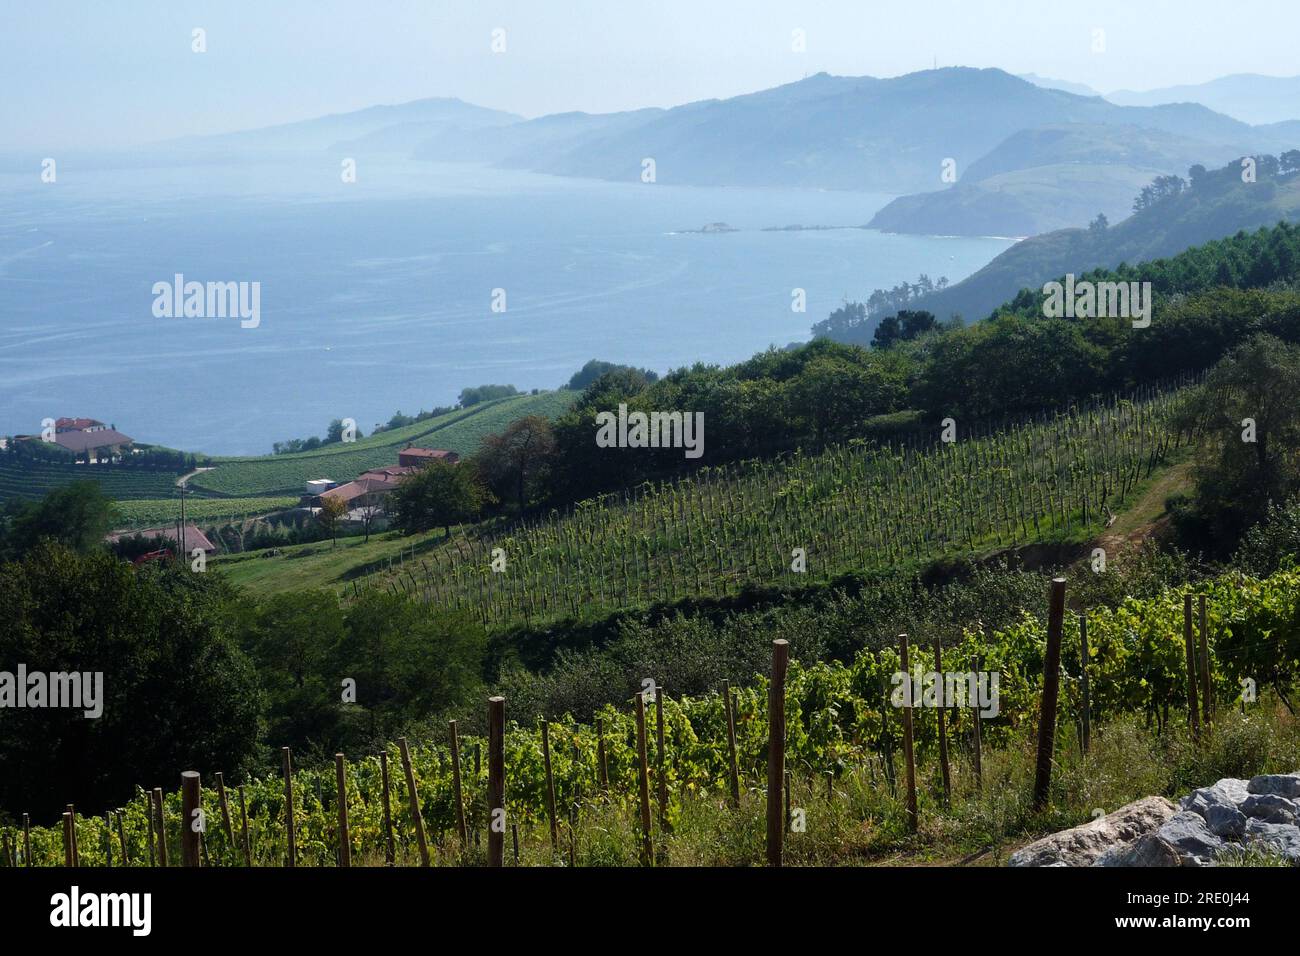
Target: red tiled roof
{"points": [[80, 423], [82, 441], [428, 453], [194, 538]]}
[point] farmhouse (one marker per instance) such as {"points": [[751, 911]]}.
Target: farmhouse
{"points": [[194, 538], [90, 438], [422, 456]]}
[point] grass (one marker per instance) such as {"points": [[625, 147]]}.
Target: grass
{"points": [[460, 431]]}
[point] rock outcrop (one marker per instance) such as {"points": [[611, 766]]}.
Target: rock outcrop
{"points": [[1229, 815]]}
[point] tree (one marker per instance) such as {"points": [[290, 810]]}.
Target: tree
{"points": [[516, 462], [438, 495], [485, 393], [78, 516], [1250, 418], [1100, 224], [160, 639], [596, 368], [332, 510]]}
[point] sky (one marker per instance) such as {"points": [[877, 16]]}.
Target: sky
{"points": [[84, 73]]}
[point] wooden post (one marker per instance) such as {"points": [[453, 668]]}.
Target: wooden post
{"points": [[602, 765], [943, 729], [977, 722], [643, 781], [456, 784], [514, 837], [225, 810], [345, 837], [27, 839], [1085, 738], [191, 817], [1193, 707], [732, 769], [550, 785], [776, 751], [390, 853], [68, 858], [162, 826], [909, 753], [661, 759], [789, 797], [414, 796], [1207, 686], [148, 799], [1051, 691], [287, 762], [496, 780], [76, 850], [243, 827]]}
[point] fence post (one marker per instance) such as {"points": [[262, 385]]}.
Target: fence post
{"points": [[602, 766], [162, 826], [776, 751], [457, 792], [733, 770], [909, 752], [643, 780], [225, 809], [550, 785], [148, 799], [1193, 707], [390, 852], [345, 838], [1207, 685], [496, 780], [287, 762], [76, 850], [68, 859], [414, 795], [943, 729], [1085, 740], [243, 826], [27, 840], [1051, 691], [661, 761], [191, 805]]}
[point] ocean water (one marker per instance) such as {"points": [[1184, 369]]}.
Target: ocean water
{"points": [[377, 295]]}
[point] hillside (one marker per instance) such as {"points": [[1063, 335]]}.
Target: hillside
{"points": [[1048, 178], [1195, 217], [459, 431], [1249, 97]]}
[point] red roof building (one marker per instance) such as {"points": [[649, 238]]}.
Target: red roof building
{"points": [[418, 457]]}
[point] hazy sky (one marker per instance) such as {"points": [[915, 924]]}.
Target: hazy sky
{"points": [[86, 72]]}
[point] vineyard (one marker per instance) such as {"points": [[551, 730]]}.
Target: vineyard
{"points": [[460, 431], [154, 512], [32, 479], [854, 507], [842, 734]]}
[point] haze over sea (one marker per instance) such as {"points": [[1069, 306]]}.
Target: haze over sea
{"points": [[376, 295]]}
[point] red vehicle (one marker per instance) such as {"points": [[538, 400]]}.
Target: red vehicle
{"points": [[153, 556]]}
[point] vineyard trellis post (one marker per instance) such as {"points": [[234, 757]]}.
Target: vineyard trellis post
{"points": [[121, 838], [457, 791], [390, 852], [27, 839], [225, 809], [602, 766], [1193, 706], [1207, 684], [943, 730], [344, 838], [496, 780], [550, 786], [776, 751], [287, 761], [661, 760], [733, 770], [148, 799], [191, 817], [76, 851], [68, 860], [909, 751], [514, 839], [1051, 692], [243, 826], [642, 779], [162, 826], [414, 796], [1085, 736]]}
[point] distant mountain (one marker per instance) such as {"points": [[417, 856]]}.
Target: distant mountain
{"points": [[398, 127], [1078, 89], [1249, 97], [1054, 177], [831, 132], [1219, 205]]}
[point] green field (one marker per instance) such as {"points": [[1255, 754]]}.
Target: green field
{"points": [[460, 431], [34, 479], [151, 512]]}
